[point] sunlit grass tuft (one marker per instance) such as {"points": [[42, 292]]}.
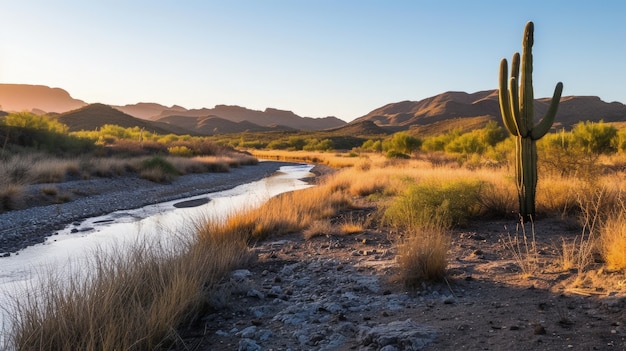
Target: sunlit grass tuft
{"points": [[126, 301]]}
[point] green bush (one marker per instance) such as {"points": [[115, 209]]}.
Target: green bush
{"points": [[319, 145], [435, 204], [158, 169], [596, 138], [397, 155], [402, 142], [183, 151], [372, 145]]}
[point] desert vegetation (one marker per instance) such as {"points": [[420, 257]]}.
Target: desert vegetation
{"points": [[39, 150], [419, 199], [423, 189]]}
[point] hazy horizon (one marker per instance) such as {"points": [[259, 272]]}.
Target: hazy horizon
{"points": [[317, 59]]}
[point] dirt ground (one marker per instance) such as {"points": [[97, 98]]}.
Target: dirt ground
{"points": [[486, 302]]}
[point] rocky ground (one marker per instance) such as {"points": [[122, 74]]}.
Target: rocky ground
{"points": [[340, 293], [42, 213]]}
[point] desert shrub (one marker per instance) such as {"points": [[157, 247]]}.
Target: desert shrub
{"points": [[447, 203], [158, 169], [468, 143], [296, 143], [401, 143], [278, 144], [620, 140], [372, 145], [613, 239], [439, 142], [182, 151], [594, 137], [28, 120], [10, 196], [318, 145], [397, 155], [423, 255], [199, 146]]}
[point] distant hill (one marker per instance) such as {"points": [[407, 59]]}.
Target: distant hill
{"points": [[210, 125], [95, 116], [469, 111], [36, 98], [269, 117], [148, 110], [360, 128], [41, 99]]}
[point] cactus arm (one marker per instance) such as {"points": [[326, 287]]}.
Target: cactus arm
{"points": [[503, 97], [522, 128], [514, 102], [546, 123]]}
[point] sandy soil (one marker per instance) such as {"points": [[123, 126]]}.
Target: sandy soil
{"points": [[339, 293]]}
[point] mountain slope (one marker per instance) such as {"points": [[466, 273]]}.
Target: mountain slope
{"points": [[95, 116], [268, 117], [147, 110], [454, 107], [25, 97], [209, 125]]}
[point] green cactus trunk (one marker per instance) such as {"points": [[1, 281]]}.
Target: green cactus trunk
{"points": [[516, 106], [526, 170]]}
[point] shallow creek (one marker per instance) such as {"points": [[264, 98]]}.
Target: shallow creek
{"points": [[71, 248]]}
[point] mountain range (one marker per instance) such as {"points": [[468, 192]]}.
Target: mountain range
{"points": [[438, 113]]}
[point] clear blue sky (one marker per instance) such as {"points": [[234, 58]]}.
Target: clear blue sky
{"points": [[314, 57]]}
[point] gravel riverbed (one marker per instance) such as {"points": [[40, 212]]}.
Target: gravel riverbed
{"points": [[97, 196]]}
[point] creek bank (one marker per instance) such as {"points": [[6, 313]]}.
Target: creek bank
{"points": [[97, 196]]}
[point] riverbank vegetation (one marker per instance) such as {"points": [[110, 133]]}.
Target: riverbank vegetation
{"points": [[422, 189], [38, 149]]}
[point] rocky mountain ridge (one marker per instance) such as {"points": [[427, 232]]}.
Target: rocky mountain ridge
{"points": [[437, 113]]}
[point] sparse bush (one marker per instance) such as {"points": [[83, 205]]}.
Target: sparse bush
{"points": [[372, 145], [319, 145], [448, 203], [10, 196], [397, 155], [157, 169], [423, 255], [401, 143], [182, 151], [613, 238], [318, 228]]}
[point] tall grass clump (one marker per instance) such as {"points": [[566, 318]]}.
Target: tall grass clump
{"points": [[613, 239], [452, 202], [132, 301], [158, 169], [425, 213], [289, 212]]}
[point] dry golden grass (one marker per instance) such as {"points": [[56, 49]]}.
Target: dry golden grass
{"points": [[423, 255], [337, 160], [290, 212], [137, 301], [111, 166], [10, 196], [318, 228], [523, 247], [613, 239], [131, 301]]}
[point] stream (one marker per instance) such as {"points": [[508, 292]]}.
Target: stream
{"points": [[72, 247]]}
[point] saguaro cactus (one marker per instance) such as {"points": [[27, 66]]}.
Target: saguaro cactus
{"points": [[516, 106]]}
